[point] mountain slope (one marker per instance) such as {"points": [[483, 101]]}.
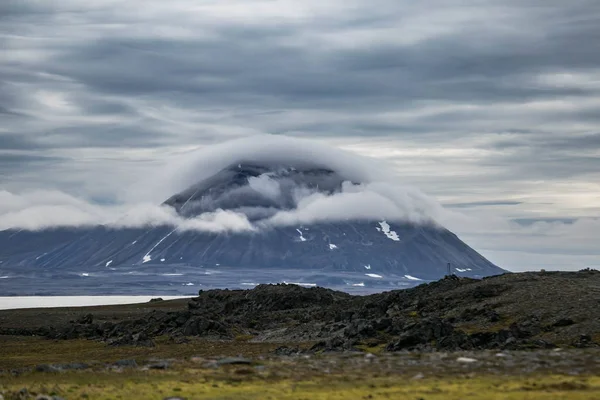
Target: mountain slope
{"points": [[355, 254]]}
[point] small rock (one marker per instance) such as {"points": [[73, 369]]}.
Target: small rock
{"points": [[61, 367], [159, 365], [179, 339], [138, 339], [175, 398], [234, 361], [73, 366], [156, 299], [370, 356], [287, 351], [85, 319], [584, 341], [46, 368], [510, 341], [466, 360], [500, 355], [43, 397], [125, 363], [564, 322], [418, 376]]}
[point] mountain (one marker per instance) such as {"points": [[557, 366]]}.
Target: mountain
{"points": [[352, 254]]}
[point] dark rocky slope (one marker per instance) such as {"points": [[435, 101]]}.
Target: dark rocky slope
{"points": [[513, 311]]}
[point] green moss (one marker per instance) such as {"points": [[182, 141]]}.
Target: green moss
{"points": [[194, 384], [243, 338], [470, 328], [373, 349]]}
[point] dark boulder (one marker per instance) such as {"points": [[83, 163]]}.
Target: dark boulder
{"points": [[431, 333], [199, 326], [137, 339], [563, 322], [85, 319]]}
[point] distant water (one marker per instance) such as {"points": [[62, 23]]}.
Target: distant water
{"points": [[186, 281], [15, 302]]}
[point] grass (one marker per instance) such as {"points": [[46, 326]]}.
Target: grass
{"points": [[320, 377], [373, 349], [243, 338], [492, 327], [19, 351], [194, 384]]}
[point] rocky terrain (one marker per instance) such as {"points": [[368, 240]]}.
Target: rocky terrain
{"points": [[540, 310], [515, 336], [538, 374]]}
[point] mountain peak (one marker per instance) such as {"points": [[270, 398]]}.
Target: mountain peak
{"points": [[256, 190]]}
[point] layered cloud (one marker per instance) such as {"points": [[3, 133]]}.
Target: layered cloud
{"points": [[366, 192], [490, 107], [40, 210]]}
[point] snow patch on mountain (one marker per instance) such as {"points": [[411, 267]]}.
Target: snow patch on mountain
{"points": [[305, 284], [462, 270], [302, 238], [385, 228]]}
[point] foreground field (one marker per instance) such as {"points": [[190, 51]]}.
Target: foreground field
{"points": [[191, 385], [200, 369], [515, 336]]}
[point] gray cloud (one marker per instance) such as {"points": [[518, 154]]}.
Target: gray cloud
{"points": [[281, 201], [483, 204], [14, 141], [482, 104]]}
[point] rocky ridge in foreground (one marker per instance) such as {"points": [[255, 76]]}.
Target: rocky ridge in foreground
{"points": [[512, 311]]}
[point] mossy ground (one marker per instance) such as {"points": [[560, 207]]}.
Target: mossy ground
{"points": [[194, 384], [318, 377], [20, 351]]}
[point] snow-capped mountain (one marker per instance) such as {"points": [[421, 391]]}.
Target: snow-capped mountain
{"points": [[281, 245]]}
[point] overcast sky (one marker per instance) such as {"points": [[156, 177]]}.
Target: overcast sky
{"points": [[491, 107]]}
